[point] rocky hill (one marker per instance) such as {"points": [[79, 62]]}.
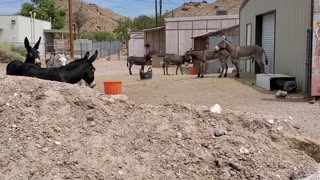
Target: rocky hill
{"points": [[203, 8], [99, 19], [102, 19]]}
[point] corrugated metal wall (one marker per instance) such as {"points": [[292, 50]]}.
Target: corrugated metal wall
{"points": [[292, 21], [156, 39], [180, 30]]}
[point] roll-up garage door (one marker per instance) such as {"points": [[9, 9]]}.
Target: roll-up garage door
{"points": [[268, 34]]}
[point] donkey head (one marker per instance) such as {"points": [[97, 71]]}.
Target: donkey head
{"points": [[60, 60], [89, 70], [33, 53], [149, 55], [222, 44], [187, 58]]}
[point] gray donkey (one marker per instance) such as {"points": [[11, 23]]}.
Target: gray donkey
{"points": [[176, 60], [242, 52], [210, 55], [140, 60]]}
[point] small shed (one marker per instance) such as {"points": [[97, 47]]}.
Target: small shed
{"points": [[136, 44], [179, 31], [156, 38], [209, 40]]}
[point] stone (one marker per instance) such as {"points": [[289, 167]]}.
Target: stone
{"points": [[219, 132], [216, 109]]}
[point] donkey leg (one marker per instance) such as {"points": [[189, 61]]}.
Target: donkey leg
{"points": [[221, 71], [163, 67], [226, 65], [181, 70], [236, 63], [177, 69], [260, 62], [202, 70], [167, 67], [130, 65]]}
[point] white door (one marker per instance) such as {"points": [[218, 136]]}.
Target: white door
{"points": [[248, 43], [268, 34]]}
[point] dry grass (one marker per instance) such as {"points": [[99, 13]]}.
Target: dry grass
{"points": [[9, 52]]}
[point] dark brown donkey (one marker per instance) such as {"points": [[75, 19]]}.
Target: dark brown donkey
{"points": [[210, 55], [242, 53]]}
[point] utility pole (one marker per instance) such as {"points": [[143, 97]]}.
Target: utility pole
{"points": [[160, 19], [70, 29], [156, 6]]}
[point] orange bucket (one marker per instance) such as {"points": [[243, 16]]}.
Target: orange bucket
{"points": [[193, 70], [112, 87]]}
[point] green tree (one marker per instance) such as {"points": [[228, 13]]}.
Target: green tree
{"points": [[45, 9], [125, 25], [143, 22]]}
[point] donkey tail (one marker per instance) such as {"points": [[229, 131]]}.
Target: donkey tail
{"points": [[266, 57]]}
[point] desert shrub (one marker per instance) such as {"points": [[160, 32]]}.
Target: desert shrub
{"points": [[10, 52]]}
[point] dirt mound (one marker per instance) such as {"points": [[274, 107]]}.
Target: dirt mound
{"points": [[202, 8], [51, 130]]}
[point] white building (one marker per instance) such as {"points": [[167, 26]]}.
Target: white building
{"points": [[14, 28]]}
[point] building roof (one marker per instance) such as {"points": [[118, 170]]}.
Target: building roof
{"points": [[55, 31], [243, 4], [202, 18], [153, 29], [216, 32]]}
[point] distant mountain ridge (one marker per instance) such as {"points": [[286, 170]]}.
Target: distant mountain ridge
{"points": [[99, 19], [103, 19]]}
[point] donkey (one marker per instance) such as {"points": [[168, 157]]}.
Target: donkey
{"points": [[209, 55], [56, 60], [71, 73], [33, 53], [242, 53], [140, 60], [176, 60]]}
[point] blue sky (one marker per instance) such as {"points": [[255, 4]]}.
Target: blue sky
{"points": [[130, 8]]}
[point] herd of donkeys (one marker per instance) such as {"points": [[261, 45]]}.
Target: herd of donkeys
{"points": [[57, 68]]}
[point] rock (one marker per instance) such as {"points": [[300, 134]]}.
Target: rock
{"points": [[216, 109], [219, 132], [280, 128], [244, 150], [281, 94], [235, 166], [120, 172], [270, 121], [45, 149], [291, 118], [92, 124], [57, 142], [224, 174], [90, 118]]}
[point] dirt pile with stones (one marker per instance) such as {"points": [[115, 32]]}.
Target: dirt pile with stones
{"points": [[52, 130]]}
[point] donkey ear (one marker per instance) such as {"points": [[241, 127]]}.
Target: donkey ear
{"points": [[93, 57], [86, 56], [36, 46], [26, 43]]}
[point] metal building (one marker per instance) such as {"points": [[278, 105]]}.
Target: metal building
{"points": [[136, 44], [14, 28], [155, 37], [179, 31], [281, 27]]}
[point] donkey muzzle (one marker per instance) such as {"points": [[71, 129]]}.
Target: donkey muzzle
{"points": [[217, 48], [93, 84]]}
